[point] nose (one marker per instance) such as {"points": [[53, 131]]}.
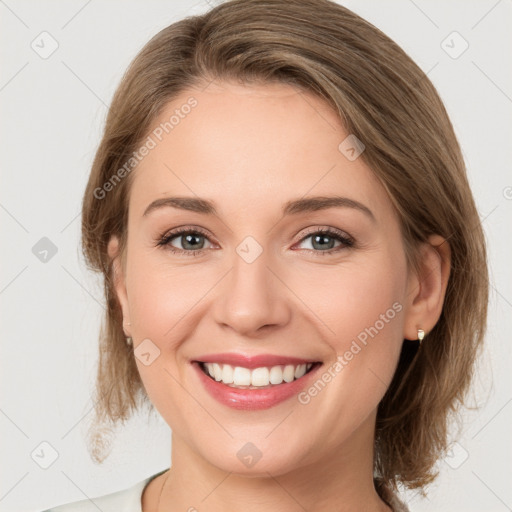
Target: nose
{"points": [[252, 300]]}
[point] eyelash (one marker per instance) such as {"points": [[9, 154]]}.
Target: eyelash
{"points": [[347, 242]]}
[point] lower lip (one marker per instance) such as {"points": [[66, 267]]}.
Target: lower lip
{"points": [[254, 399]]}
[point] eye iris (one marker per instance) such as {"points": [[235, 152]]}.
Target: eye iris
{"points": [[325, 241], [190, 237]]}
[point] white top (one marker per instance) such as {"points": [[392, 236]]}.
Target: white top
{"points": [[127, 500], [130, 500]]}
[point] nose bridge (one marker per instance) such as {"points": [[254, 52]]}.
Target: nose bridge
{"points": [[251, 296]]}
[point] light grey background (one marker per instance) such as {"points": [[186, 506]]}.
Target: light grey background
{"points": [[52, 113]]}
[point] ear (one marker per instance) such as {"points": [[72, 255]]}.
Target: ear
{"points": [[427, 289], [119, 281]]}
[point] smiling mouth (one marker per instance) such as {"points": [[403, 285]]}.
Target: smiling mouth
{"points": [[257, 378]]}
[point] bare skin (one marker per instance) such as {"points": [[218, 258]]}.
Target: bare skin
{"points": [[250, 149]]}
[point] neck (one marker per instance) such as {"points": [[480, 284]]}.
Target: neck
{"points": [[340, 481]]}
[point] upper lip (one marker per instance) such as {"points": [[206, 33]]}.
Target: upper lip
{"points": [[252, 362]]}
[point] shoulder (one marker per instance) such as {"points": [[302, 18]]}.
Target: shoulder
{"points": [[126, 500]]}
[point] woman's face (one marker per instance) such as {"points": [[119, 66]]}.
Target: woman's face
{"points": [[257, 277]]}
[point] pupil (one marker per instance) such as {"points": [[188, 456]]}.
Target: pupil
{"points": [[323, 240], [187, 241]]}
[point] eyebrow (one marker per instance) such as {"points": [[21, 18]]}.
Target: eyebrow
{"points": [[293, 207]]}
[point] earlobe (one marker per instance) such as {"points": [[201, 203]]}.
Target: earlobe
{"points": [[119, 280], [428, 287]]}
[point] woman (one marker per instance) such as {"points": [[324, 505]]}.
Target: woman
{"points": [[294, 267]]}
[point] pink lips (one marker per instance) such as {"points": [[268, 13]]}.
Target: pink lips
{"points": [[253, 399]]}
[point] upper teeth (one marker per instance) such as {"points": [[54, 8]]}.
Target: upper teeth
{"points": [[239, 376]]}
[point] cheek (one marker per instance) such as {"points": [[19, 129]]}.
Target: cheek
{"points": [[159, 296], [354, 296], [359, 310], [161, 301], [366, 303], [365, 311]]}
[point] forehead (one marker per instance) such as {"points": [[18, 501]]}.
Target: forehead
{"points": [[248, 146]]}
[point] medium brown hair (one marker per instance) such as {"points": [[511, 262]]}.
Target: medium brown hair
{"points": [[388, 102]]}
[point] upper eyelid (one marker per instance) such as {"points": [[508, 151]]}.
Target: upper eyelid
{"points": [[319, 229], [185, 230]]}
